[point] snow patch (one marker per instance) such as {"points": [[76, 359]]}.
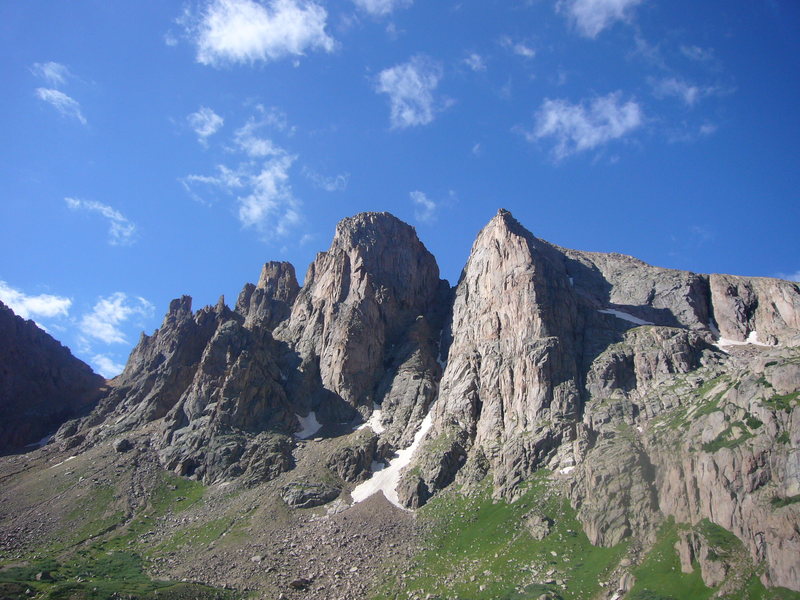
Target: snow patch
{"points": [[625, 316], [374, 422], [63, 461], [567, 470], [385, 478], [752, 339], [308, 426]]}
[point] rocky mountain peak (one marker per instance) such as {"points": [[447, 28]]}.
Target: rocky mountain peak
{"points": [[279, 281]]}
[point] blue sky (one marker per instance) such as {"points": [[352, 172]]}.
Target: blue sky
{"points": [[152, 149]]}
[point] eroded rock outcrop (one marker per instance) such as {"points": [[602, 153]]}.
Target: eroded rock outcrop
{"points": [[511, 385], [351, 325]]}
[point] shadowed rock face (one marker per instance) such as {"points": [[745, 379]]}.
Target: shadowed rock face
{"points": [[597, 366], [41, 383]]}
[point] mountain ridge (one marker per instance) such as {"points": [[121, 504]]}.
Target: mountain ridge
{"points": [[650, 394]]}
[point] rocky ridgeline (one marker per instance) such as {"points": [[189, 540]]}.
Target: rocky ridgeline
{"points": [[41, 383], [650, 392]]}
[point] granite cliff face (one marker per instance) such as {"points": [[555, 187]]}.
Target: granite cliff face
{"points": [[648, 393], [41, 383]]}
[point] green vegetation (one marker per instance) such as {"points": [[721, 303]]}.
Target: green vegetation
{"points": [[753, 422], [781, 502], [480, 548], [784, 402], [104, 557], [721, 542], [734, 435], [93, 576], [659, 576], [783, 438]]}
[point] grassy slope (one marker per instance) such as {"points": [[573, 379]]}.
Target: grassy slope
{"points": [[481, 549], [97, 556]]}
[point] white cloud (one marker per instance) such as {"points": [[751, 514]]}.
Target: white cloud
{"points": [[381, 7], [789, 276], [410, 87], [247, 140], [262, 190], [103, 323], [246, 31], [337, 183], [697, 53], [53, 73], [475, 62], [593, 16], [62, 103], [518, 48], [425, 208], [106, 366], [579, 127], [259, 184], [121, 231], [671, 86], [707, 129], [205, 123], [270, 200], [689, 93], [41, 305]]}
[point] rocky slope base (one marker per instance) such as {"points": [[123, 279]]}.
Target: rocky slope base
{"points": [[564, 424]]}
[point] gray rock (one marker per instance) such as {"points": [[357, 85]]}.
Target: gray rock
{"points": [[309, 495], [123, 445]]}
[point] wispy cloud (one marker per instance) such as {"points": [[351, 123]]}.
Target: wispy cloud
{"points": [[121, 232], [411, 88], [336, 183], [697, 53], [245, 31], [106, 366], [424, 207], [67, 106], [578, 127], [270, 206], [38, 306], [591, 17], [262, 191], [475, 62], [205, 123], [381, 7], [789, 276], [53, 73], [104, 322], [248, 139], [516, 47], [259, 179], [687, 92]]}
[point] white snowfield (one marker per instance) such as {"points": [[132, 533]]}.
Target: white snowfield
{"points": [[308, 426], [374, 422], [385, 479], [752, 339], [625, 316]]}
